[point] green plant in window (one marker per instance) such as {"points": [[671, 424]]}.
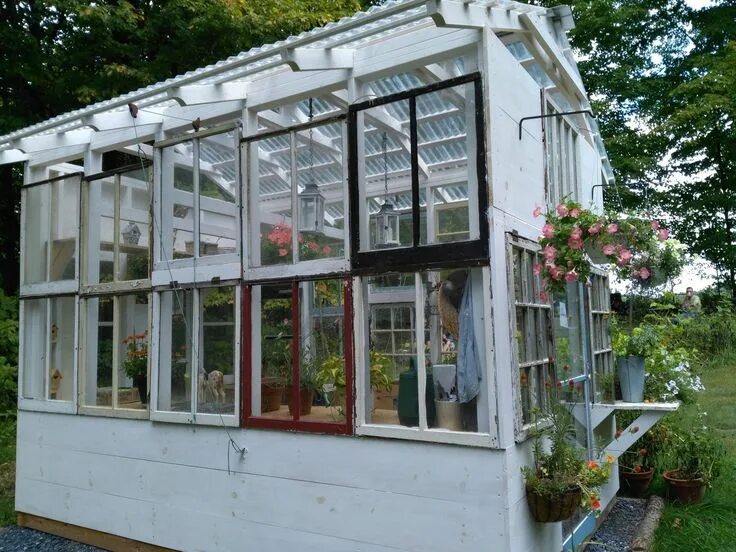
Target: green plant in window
{"points": [[135, 364]]}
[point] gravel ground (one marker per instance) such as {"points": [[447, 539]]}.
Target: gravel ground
{"points": [[20, 539], [617, 531]]}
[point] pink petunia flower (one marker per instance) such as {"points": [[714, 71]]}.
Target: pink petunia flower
{"points": [[562, 210], [575, 243], [576, 233], [537, 211], [612, 228], [609, 249], [548, 230], [595, 229], [537, 269], [626, 256], [663, 234], [283, 252], [550, 252], [571, 276], [543, 296], [644, 273], [575, 212], [655, 225], [326, 250]]}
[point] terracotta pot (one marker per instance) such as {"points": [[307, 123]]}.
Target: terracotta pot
{"points": [[548, 509], [635, 484], [306, 396], [271, 397], [684, 491]]}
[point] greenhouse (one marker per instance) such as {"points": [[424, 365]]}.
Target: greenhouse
{"points": [[289, 298]]}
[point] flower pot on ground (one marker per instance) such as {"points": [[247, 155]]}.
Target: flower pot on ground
{"points": [[683, 490], [635, 483], [561, 480], [272, 389], [306, 397]]}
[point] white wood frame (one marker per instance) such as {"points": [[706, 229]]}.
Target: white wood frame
{"points": [[194, 417]]}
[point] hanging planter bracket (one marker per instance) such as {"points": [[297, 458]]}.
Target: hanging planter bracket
{"points": [[521, 122]]}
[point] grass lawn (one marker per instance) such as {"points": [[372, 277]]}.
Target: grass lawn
{"points": [[710, 525], [7, 472]]}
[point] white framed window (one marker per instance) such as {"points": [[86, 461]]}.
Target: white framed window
{"points": [[297, 200], [198, 352], [197, 207], [532, 323], [599, 300], [561, 149], [442, 394]]}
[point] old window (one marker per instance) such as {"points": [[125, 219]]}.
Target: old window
{"points": [[417, 177], [532, 326], [297, 200], [197, 207], [198, 352], [422, 358], [600, 329], [298, 360], [561, 147]]}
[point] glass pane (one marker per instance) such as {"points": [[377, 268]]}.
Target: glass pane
{"points": [[61, 348], [219, 193], [322, 378], [271, 214], [98, 347], [216, 375], [319, 158], [446, 141], [177, 167], [64, 228], [133, 351], [386, 178], [100, 230], [135, 228], [34, 349], [176, 352], [36, 209], [276, 344]]}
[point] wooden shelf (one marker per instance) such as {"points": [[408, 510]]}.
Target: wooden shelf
{"points": [[621, 405]]}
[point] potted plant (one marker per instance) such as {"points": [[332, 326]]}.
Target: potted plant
{"points": [[135, 364], [636, 464], [696, 455], [631, 349], [560, 481]]}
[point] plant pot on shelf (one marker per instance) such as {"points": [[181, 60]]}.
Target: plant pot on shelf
{"points": [[549, 509], [141, 382], [635, 484], [271, 393], [631, 377], [306, 396], [449, 414], [684, 491]]}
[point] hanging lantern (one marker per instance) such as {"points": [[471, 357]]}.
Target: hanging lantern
{"points": [[311, 209], [311, 201], [386, 221]]}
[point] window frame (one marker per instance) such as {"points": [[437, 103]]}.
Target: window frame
{"points": [[422, 432], [562, 180], [299, 269], [196, 269], [248, 420], [599, 313], [521, 428], [191, 416], [441, 255]]}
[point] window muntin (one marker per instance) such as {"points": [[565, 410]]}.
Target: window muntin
{"points": [[198, 352], [50, 231], [116, 227], [434, 159], [48, 349], [282, 166], [533, 333], [198, 208], [300, 332], [445, 312], [115, 356]]}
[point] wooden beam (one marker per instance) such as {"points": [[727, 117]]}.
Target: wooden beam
{"points": [[108, 140], [447, 13], [57, 155], [50, 141], [208, 93], [92, 537], [317, 59], [12, 156]]}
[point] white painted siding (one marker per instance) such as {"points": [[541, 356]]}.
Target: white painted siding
{"points": [[169, 485]]}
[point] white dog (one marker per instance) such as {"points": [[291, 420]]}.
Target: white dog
{"points": [[211, 385]]}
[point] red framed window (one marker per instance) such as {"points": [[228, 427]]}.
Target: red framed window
{"points": [[298, 355]]}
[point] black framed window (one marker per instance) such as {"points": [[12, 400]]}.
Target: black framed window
{"points": [[417, 178]]}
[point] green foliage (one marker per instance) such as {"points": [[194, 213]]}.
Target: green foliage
{"points": [[136, 357], [637, 342], [694, 450], [8, 355]]}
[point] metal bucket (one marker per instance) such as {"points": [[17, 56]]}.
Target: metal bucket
{"points": [[631, 376]]}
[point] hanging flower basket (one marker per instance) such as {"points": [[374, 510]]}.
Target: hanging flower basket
{"points": [[573, 238], [552, 508]]}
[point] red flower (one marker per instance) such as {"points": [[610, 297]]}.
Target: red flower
{"points": [[283, 252], [595, 503], [592, 464], [326, 250], [618, 433]]}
